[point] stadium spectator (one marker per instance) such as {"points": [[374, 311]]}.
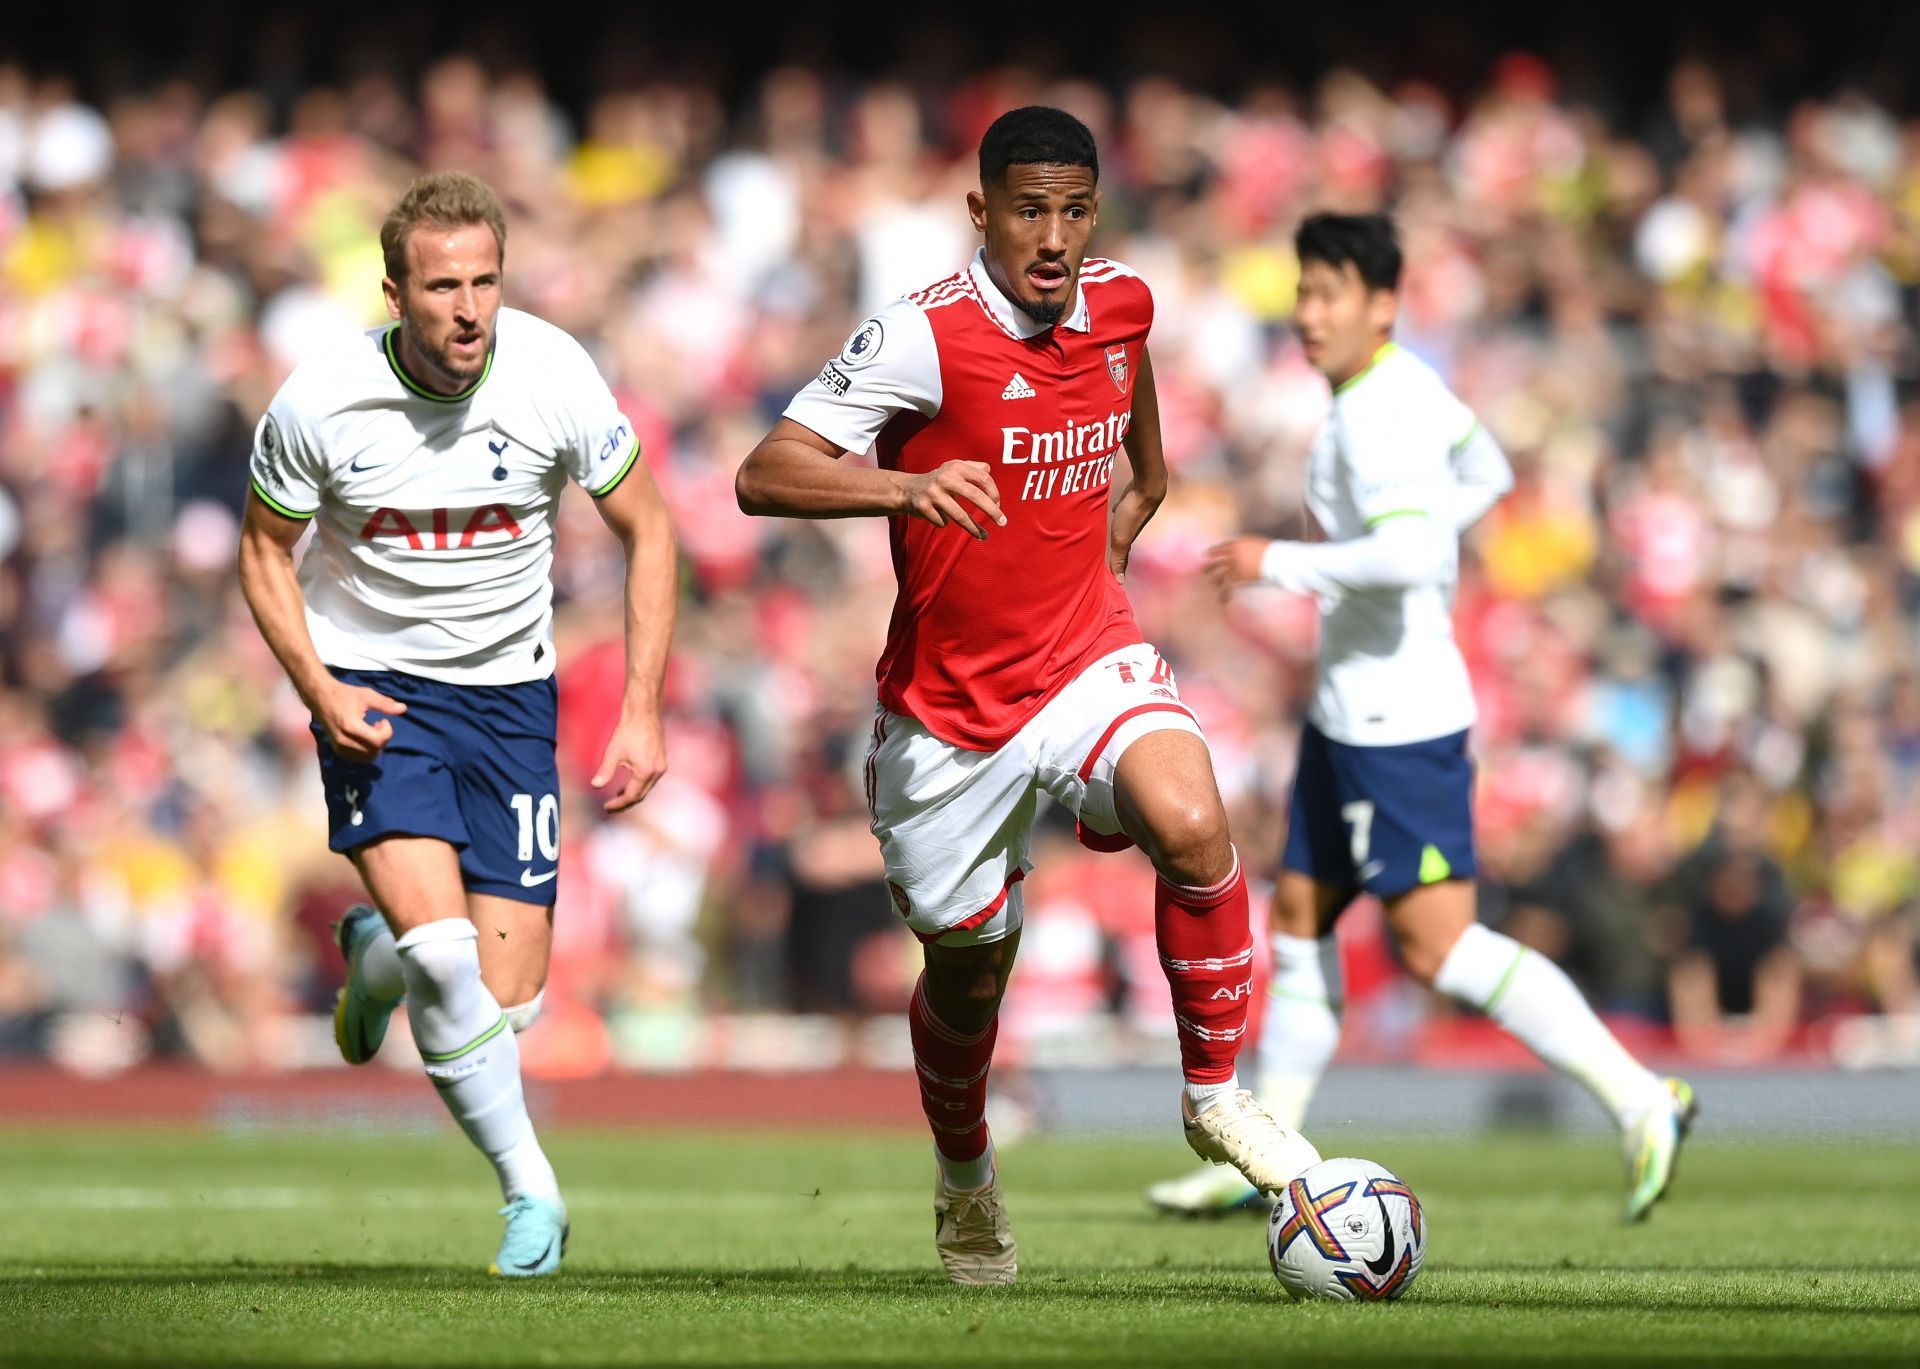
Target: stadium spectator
{"points": [[1736, 982], [1689, 317]]}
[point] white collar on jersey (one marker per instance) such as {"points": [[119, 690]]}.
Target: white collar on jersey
{"points": [[1013, 319]]}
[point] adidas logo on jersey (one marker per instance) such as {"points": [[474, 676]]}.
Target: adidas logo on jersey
{"points": [[1017, 388]]}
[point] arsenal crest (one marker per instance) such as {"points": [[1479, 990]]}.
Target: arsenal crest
{"points": [[1117, 367]]}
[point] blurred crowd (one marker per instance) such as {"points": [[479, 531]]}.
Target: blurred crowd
{"points": [[1692, 625]]}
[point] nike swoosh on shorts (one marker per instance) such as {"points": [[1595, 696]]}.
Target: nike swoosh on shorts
{"points": [[528, 878]]}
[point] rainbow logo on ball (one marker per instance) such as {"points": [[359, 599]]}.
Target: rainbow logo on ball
{"points": [[1310, 1216]]}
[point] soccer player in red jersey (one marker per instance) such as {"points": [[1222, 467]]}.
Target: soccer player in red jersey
{"points": [[997, 401]]}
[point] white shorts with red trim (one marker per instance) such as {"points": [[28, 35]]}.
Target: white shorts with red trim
{"points": [[955, 826]]}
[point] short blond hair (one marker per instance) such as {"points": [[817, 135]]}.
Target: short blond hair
{"points": [[444, 199]]}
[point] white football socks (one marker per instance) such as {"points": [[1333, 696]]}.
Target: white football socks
{"points": [[1200, 1097], [471, 1056], [966, 1176], [1302, 1026], [1529, 997], [379, 969]]}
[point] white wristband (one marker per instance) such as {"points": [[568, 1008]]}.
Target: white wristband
{"points": [[1274, 563]]}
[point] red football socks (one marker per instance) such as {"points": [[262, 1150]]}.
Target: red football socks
{"points": [[953, 1078], [1206, 948]]}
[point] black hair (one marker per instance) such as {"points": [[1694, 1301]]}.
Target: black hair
{"points": [[1035, 135], [1368, 241]]}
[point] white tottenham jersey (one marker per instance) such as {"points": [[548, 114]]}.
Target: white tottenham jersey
{"points": [[1389, 670], [434, 514]]}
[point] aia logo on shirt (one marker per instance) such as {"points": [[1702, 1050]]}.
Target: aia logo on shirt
{"points": [[433, 529], [1117, 367]]}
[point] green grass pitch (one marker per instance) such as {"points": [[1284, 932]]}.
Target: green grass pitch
{"points": [[170, 1248]]}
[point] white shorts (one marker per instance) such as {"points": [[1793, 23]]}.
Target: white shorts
{"points": [[955, 826]]}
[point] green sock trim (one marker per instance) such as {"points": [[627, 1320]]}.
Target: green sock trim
{"points": [[1506, 982], [472, 1045]]}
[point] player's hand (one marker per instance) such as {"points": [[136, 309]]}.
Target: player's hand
{"points": [[1235, 562], [343, 711], [639, 743], [1130, 514], [958, 492]]}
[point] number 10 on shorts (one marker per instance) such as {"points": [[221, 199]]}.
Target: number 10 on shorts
{"points": [[540, 823]]}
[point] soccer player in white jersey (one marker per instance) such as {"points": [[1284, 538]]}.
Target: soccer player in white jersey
{"points": [[1382, 800], [429, 457]]}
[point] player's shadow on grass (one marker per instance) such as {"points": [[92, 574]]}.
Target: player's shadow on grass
{"points": [[1117, 1285]]}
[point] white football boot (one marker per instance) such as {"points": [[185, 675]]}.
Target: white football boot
{"points": [[1210, 1191], [1237, 1131], [971, 1232]]}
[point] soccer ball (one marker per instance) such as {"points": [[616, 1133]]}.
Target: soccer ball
{"points": [[1348, 1230]]}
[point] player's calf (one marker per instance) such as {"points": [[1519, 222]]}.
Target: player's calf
{"points": [[472, 1058], [953, 1020]]}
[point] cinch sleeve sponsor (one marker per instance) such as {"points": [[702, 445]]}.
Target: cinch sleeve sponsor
{"points": [[889, 365], [285, 469], [597, 442]]}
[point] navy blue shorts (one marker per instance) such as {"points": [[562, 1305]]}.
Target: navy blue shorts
{"points": [[1385, 819], [470, 764]]}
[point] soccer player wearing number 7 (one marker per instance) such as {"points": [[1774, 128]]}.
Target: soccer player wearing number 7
{"points": [[429, 458], [1382, 801], [998, 401]]}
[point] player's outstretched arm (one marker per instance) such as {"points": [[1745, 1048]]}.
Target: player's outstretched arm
{"points": [[638, 516], [796, 473], [1147, 487], [272, 592], [1402, 551]]}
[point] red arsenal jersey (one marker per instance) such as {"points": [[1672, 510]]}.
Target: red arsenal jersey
{"points": [[984, 633]]}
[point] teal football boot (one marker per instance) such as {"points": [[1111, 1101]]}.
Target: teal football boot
{"points": [[536, 1238]]}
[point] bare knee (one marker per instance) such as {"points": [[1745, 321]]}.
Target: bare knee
{"points": [[1167, 801], [513, 986], [1188, 843], [1428, 922], [1423, 957]]}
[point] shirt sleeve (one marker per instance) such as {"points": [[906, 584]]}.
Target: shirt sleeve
{"points": [[1398, 553], [286, 469], [597, 443], [1481, 476], [891, 364]]}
